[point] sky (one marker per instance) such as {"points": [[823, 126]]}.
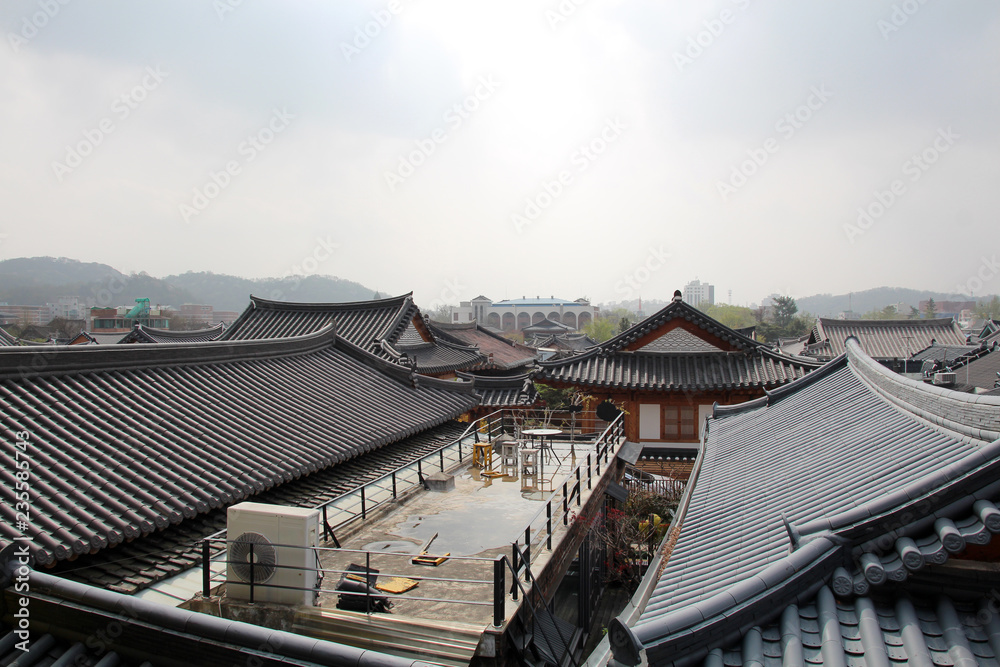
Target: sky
{"points": [[576, 148]]}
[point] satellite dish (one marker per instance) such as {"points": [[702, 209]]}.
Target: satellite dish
{"points": [[607, 411], [265, 558]]}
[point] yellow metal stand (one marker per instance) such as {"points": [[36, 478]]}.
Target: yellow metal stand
{"points": [[482, 455]]}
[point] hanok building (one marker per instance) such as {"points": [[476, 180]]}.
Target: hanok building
{"points": [[890, 342], [667, 371], [844, 519], [502, 356], [391, 329]]}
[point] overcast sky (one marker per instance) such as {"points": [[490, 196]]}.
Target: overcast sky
{"points": [[606, 149]]}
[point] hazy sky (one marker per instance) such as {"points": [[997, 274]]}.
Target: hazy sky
{"points": [[588, 148]]}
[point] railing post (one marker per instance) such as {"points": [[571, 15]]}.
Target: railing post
{"points": [[579, 490], [499, 593], [251, 571], [548, 524], [514, 568], [393, 487], [206, 568], [590, 473], [364, 514], [565, 504], [441, 452], [527, 554], [326, 526], [368, 587]]}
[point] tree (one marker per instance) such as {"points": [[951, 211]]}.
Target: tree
{"points": [[931, 308], [624, 325], [601, 329], [914, 313], [887, 313], [441, 314], [989, 310], [784, 310], [734, 317]]}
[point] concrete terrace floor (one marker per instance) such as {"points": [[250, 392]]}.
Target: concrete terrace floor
{"points": [[475, 522]]}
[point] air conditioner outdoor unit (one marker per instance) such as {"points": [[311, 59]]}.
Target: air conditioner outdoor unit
{"points": [[282, 541]]}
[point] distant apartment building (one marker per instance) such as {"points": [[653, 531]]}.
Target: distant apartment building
{"points": [[198, 313], [516, 314], [224, 316], [69, 308], [19, 314], [697, 292]]}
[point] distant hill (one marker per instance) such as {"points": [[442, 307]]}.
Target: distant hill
{"points": [[233, 293], [830, 305], [40, 280]]}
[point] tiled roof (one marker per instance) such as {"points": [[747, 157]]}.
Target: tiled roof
{"points": [[943, 353], [849, 477], [567, 341], [503, 391], [501, 353], [870, 630], [75, 624], [545, 325], [437, 357], [979, 369], [133, 566], [90, 338], [141, 334], [128, 439], [881, 339], [364, 323], [6, 340], [684, 361]]}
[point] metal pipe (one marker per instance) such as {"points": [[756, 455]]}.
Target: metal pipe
{"points": [[499, 594], [206, 563]]}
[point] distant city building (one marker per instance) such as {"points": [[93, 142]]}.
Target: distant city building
{"points": [[197, 313], [69, 308], [123, 318], [516, 314], [697, 292], [947, 308], [19, 314]]}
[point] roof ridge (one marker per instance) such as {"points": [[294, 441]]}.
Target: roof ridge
{"points": [[48, 360], [686, 312], [260, 302], [906, 394]]}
